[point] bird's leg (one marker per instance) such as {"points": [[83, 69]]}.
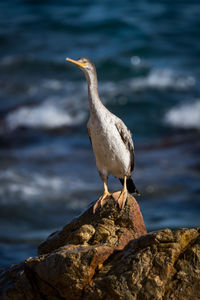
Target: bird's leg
{"points": [[123, 196], [102, 200]]}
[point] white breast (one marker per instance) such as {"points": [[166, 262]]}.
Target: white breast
{"points": [[112, 156]]}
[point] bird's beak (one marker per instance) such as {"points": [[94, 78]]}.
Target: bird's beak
{"points": [[76, 62]]}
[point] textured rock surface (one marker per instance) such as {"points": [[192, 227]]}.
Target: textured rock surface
{"points": [[162, 265], [109, 256], [109, 226]]}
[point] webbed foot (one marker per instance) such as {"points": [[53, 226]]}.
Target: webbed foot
{"points": [[101, 201]]}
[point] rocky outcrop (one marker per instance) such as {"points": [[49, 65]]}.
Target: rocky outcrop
{"points": [[109, 255]]}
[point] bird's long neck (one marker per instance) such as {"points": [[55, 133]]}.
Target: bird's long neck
{"points": [[95, 103]]}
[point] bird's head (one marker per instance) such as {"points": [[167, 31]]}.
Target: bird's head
{"points": [[84, 64]]}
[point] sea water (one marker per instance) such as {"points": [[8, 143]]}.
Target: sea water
{"points": [[147, 58]]}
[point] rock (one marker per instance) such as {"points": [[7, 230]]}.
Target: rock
{"points": [[162, 265], [109, 255], [109, 225]]}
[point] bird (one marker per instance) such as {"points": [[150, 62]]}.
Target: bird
{"points": [[110, 138]]}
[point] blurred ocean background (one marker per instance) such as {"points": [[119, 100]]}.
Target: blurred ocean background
{"points": [[147, 55]]}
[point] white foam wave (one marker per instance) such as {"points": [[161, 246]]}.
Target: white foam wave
{"points": [[19, 186], [157, 79], [26, 187], [46, 115], [162, 79], [47, 85], [52, 84], [185, 116]]}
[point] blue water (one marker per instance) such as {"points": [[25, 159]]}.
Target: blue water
{"points": [[147, 55]]}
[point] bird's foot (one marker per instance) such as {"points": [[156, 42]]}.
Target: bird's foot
{"points": [[122, 198], [101, 201]]}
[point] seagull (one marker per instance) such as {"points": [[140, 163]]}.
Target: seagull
{"points": [[110, 138]]}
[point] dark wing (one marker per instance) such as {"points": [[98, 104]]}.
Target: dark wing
{"points": [[127, 139]]}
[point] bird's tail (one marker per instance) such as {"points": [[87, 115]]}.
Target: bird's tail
{"points": [[130, 186]]}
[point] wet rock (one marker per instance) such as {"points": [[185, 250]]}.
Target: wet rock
{"points": [[109, 255]]}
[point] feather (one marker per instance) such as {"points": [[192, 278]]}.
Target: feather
{"points": [[127, 139], [130, 186], [89, 134]]}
